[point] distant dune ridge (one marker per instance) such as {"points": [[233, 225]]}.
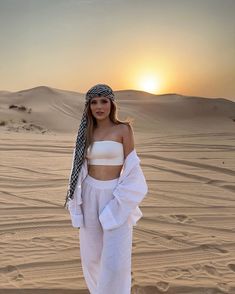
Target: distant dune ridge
{"points": [[185, 242], [59, 111]]}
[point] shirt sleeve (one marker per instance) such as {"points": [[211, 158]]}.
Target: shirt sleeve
{"points": [[127, 196], [76, 214]]}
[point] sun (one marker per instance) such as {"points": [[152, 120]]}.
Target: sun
{"points": [[150, 84]]}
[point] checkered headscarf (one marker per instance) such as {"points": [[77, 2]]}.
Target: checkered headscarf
{"points": [[97, 90]]}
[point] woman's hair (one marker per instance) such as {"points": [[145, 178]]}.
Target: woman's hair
{"points": [[92, 122]]}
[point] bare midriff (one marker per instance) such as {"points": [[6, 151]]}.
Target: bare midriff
{"points": [[104, 172]]}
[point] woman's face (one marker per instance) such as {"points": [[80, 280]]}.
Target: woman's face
{"points": [[100, 107]]}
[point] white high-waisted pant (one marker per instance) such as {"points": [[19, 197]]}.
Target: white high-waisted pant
{"points": [[105, 254]]}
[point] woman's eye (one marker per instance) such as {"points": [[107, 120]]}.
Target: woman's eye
{"points": [[104, 101], [93, 102]]}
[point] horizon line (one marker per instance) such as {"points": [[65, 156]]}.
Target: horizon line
{"points": [[160, 94]]}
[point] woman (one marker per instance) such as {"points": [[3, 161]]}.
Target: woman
{"points": [[106, 185]]}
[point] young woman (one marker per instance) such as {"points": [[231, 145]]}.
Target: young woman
{"points": [[106, 185]]}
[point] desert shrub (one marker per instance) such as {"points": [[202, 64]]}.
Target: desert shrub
{"points": [[22, 108], [13, 106], [2, 123]]}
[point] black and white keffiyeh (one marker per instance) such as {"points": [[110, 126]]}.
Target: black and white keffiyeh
{"points": [[96, 91]]}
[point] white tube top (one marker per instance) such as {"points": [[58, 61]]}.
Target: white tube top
{"points": [[105, 153]]}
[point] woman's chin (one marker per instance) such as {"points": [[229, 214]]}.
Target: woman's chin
{"points": [[101, 117]]}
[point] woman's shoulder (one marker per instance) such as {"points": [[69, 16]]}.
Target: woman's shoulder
{"points": [[127, 139], [125, 127]]}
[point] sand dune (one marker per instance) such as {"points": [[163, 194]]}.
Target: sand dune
{"points": [[185, 243], [59, 111]]}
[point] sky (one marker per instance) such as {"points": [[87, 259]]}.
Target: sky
{"points": [[159, 46]]}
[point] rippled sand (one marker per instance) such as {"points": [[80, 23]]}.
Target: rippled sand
{"points": [[185, 243]]}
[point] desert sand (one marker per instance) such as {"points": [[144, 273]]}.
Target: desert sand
{"points": [[185, 242]]}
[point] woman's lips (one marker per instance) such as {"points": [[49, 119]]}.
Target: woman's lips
{"points": [[99, 113]]}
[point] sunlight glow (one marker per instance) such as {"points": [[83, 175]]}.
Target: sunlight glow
{"points": [[149, 83]]}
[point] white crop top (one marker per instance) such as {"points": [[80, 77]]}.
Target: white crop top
{"points": [[105, 153]]}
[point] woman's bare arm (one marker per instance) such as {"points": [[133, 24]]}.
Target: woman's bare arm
{"points": [[128, 139]]}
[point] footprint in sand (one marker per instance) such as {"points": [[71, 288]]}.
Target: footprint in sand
{"points": [[13, 274], [176, 273], [231, 266], [197, 266], [162, 286], [8, 269], [214, 248], [172, 273], [39, 239], [19, 277], [211, 270], [7, 234], [224, 287], [186, 274], [181, 218]]}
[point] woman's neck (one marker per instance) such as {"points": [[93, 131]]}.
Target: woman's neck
{"points": [[104, 124]]}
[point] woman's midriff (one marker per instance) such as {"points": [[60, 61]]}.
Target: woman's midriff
{"points": [[104, 172]]}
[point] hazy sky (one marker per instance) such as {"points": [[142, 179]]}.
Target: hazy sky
{"points": [[164, 46]]}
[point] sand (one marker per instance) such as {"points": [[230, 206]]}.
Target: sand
{"points": [[185, 242]]}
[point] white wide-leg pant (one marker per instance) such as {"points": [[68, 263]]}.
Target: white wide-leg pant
{"points": [[105, 254]]}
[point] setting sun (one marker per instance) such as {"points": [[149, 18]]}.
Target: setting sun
{"points": [[150, 84]]}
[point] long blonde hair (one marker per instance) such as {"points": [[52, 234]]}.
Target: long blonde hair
{"points": [[92, 122]]}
